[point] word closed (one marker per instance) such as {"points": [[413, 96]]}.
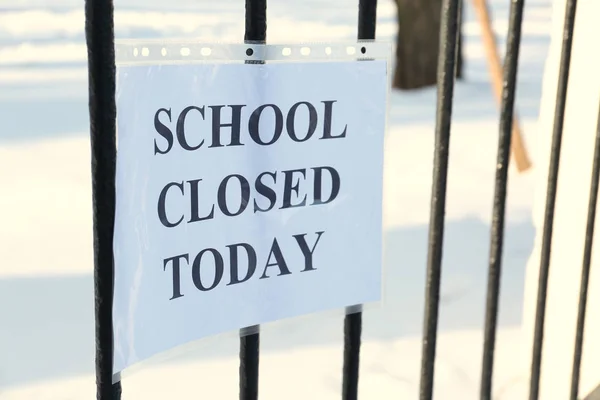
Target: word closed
{"points": [[261, 195]]}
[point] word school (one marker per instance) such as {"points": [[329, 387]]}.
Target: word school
{"points": [[281, 189], [254, 127]]}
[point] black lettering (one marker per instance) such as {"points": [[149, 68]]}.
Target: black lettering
{"points": [[312, 121], [181, 128], [218, 269], [266, 191], [195, 203], [253, 124], [279, 261], [222, 195], [306, 251], [327, 121], [234, 262], [161, 208], [163, 131], [289, 187], [235, 125], [318, 188], [176, 273]]}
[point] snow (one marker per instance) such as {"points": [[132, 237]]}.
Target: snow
{"points": [[46, 295], [580, 125]]}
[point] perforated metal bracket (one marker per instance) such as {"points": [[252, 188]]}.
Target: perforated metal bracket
{"points": [[158, 52]]}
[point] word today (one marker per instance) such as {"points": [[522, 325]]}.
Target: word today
{"points": [[213, 259]]}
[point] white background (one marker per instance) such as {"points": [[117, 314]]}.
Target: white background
{"points": [[46, 280], [348, 256], [570, 218]]}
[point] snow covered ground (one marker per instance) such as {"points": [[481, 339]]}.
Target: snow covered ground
{"points": [[46, 297]]}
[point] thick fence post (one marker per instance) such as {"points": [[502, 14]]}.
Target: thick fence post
{"points": [[559, 115], [99, 32], [256, 21], [255, 32], [249, 356], [499, 210], [351, 369], [367, 22], [367, 19], [445, 91]]}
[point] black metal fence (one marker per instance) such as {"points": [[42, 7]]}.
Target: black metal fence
{"points": [[101, 65]]}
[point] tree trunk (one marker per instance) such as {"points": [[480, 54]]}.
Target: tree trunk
{"points": [[418, 44]]}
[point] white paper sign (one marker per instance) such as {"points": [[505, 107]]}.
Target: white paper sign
{"points": [[245, 194]]}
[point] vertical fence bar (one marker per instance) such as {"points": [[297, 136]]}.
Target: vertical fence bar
{"points": [[352, 333], [256, 21], [445, 90], [255, 32], [502, 163], [367, 22], [457, 52], [367, 19], [458, 67], [559, 115], [99, 33], [249, 356], [587, 260]]}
